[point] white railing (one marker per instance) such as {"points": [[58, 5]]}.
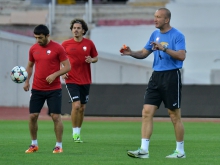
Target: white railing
{"points": [[51, 15], [88, 12]]}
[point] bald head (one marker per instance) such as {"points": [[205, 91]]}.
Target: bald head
{"points": [[166, 12]]}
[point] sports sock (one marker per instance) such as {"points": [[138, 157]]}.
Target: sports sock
{"points": [[180, 147], [79, 129], [58, 144], [145, 144], [34, 142], [75, 130]]}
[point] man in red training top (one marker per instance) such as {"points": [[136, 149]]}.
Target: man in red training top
{"points": [[47, 56], [81, 53]]}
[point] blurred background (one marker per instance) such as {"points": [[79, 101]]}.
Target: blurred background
{"points": [[119, 82]]}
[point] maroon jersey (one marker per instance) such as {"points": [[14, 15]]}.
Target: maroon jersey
{"points": [[80, 72], [47, 61]]}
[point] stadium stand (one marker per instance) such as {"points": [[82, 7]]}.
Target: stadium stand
{"points": [[20, 12], [124, 22], [21, 15], [147, 3], [29, 17]]}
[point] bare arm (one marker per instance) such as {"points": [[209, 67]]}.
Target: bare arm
{"points": [[95, 59], [66, 68], [89, 59], [141, 54], [179, 55], [29, 70]]}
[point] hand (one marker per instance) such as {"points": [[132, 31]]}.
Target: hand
{"points": [[50, 78], [125, 50], [89, 59], [65, 76], [26, 86], [156, 46]]}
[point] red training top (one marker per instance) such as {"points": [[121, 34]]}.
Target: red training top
{"points": [[80, 72], [47, 61]]}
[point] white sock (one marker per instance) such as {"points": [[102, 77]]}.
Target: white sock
{"points": [[180, 147], [34, 142], [79, 129], [58, 144], [145, 144], [75, 130]]}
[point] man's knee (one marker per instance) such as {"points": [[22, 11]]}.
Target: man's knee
{"points": [[56, 117], [148, 110], [175, 115], [33, 117], [76, 105]]}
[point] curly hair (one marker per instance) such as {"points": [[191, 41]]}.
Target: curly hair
{"points": [[82, 22]]}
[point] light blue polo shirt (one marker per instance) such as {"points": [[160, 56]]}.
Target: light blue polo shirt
{"points": [[174, 40]]}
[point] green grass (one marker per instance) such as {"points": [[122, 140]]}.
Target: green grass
{"points": [[106, 143]]}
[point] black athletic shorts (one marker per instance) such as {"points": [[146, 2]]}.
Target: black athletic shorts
{"points": [[53, 98], [78, 92], [164, 86]]}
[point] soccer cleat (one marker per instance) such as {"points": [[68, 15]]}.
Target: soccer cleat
{"points": [[176, 154], [57, 150], [76, 138], [138, 154], [31, 149]]}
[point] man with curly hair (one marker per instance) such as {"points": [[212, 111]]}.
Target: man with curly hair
{"points": [[81, 53]]}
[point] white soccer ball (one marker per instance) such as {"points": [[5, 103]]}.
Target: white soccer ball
{"points": [[19, 74]]}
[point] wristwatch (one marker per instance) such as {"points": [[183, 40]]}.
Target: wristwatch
{"points": [[165, 48]]}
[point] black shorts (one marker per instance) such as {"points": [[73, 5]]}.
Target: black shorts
{"points": [[78, 92], [164, 86], [53, 98]]}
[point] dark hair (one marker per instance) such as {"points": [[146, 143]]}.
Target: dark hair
{"points": [[168, 13], [82, 22], [41, 29]]}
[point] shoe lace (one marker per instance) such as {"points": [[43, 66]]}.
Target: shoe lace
{"points": [[75, 136], [175, 152], [139, 150], [32, 146], [56, 148]]}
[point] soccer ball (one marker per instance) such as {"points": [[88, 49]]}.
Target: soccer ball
{"points": [[19, 74]]}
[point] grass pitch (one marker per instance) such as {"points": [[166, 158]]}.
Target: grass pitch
{"points": [[106, 143]]}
